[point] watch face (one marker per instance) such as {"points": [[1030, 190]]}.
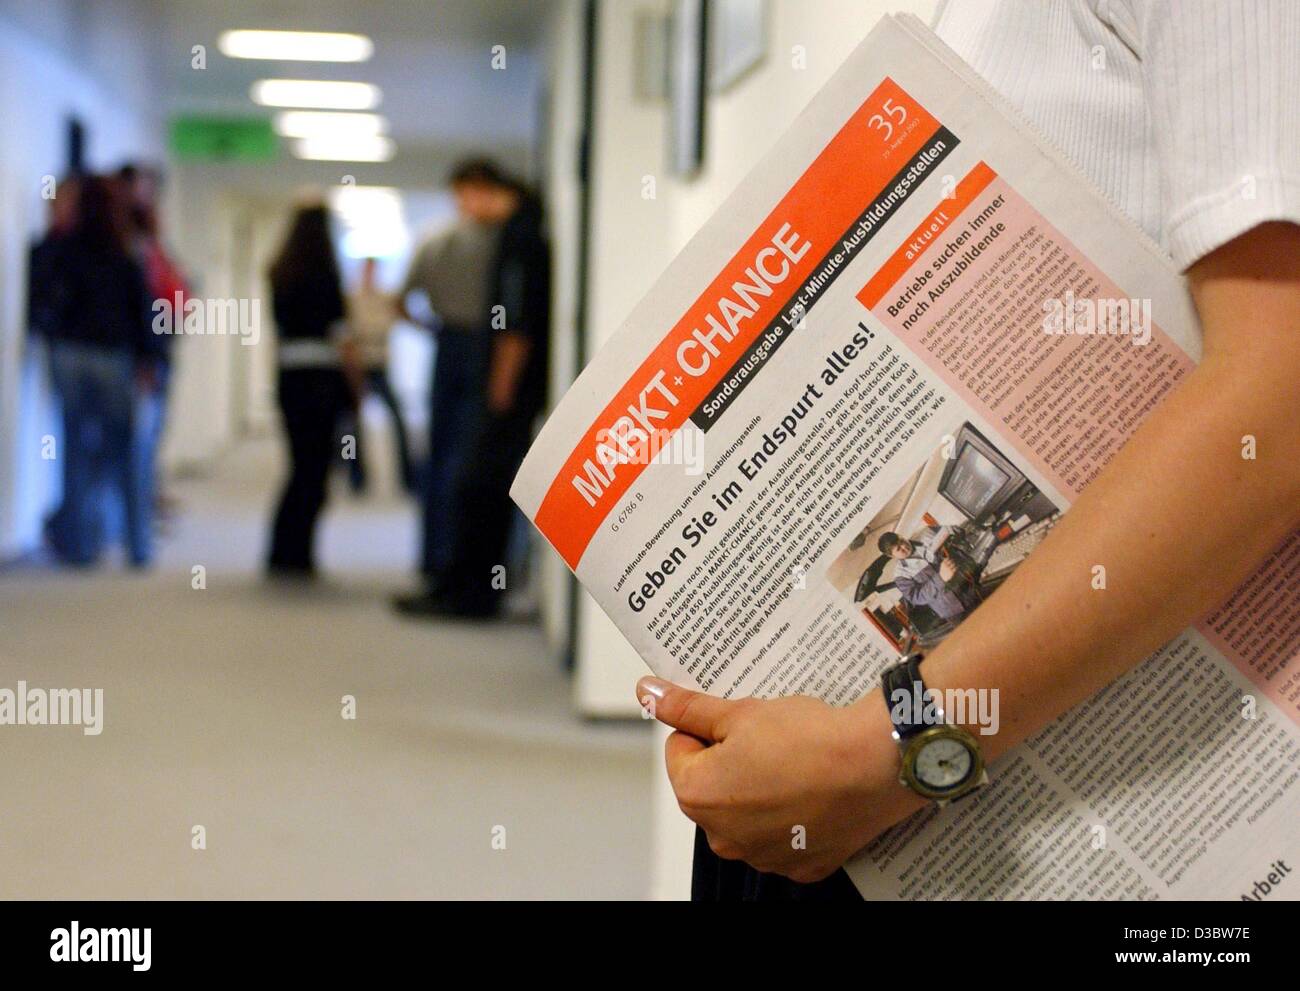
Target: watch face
{"points": [[943, 764]]}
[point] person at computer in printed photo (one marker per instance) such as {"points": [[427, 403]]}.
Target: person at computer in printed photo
{"points": [[1197, 96], [923, 572]]}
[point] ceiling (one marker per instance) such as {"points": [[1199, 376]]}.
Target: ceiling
{"points": [[432, 59]]}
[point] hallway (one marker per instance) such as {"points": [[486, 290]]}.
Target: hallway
{"points": [[222, 709], [203, 131]]}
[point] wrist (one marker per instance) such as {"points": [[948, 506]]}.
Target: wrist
{"points": [[941, 760], [877, 759]]}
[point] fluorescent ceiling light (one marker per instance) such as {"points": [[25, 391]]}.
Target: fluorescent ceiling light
{"points": [[324, 124], [317, 94], [375, 148], [296, 46]]}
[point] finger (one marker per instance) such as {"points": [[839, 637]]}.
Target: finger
{"points": [[679, 749], [691, 712], [682, 756]]}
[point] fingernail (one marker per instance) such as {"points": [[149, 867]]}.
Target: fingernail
{"points": [[652, 686]]}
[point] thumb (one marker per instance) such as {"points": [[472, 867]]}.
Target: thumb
{"points": [[700, 715]]}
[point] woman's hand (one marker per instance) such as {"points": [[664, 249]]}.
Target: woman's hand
{"points": [[354, 371], [790, 786]]}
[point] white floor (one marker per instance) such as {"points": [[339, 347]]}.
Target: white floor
{"points": [[223, 710]]}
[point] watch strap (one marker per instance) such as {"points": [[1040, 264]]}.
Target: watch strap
{"points": [[905, 676]]}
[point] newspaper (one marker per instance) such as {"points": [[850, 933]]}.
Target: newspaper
{"points": [[915, 317]]}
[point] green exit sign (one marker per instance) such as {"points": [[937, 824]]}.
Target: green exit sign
{"points": [[223, 139]]}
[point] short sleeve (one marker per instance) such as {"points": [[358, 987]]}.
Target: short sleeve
{"points": [[1222, 82], [412, 279], [425, 260], [513, 285]]}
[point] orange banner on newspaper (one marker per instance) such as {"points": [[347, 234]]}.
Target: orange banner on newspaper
{"points": [[928, 231], [882, 136]]}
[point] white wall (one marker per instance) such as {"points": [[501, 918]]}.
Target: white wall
{"points": [[57, 59], [631, 245], [564, 73], [208, 230], [636, 238]]}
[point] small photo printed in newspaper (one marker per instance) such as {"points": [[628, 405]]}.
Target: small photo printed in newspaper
{"points": [[948, 537]]}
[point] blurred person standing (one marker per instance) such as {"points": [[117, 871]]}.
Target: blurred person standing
{"points": [[371, 315], [96, 315], [452, 270], [165, 283], [514, 392], [318, 376], [44, 304], [42, 270]]}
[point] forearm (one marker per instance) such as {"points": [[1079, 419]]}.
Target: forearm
{"points": [[353, 369], [1177, 520], [509, 355]]}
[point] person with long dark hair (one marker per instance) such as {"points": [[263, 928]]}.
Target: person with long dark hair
{"points": [[97, 321], [314, 392]]}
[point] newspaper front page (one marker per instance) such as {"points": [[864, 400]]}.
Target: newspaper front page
{"points": [[914, 317]]}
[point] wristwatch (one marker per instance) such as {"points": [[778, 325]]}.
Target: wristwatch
{"points": [[941, 762]]}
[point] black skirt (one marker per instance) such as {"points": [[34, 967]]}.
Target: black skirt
{"points": [[716, 880]]}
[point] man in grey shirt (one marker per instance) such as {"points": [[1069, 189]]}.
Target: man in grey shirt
{"points": [[452, 271]]}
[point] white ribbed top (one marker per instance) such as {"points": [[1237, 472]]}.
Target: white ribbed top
{"points": [[1186, 114]]}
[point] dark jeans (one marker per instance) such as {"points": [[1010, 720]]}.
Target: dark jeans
{"points": [[455, 409], [150, 416], [312, 400], [478, 580], [377, 383], [716, 880], [96, 387]]}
